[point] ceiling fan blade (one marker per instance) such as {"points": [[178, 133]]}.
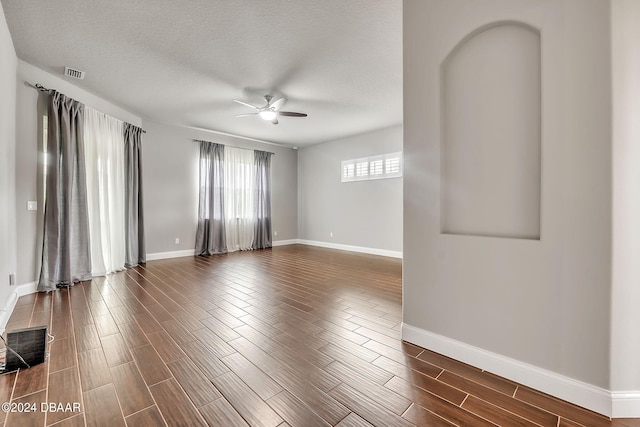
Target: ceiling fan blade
{"points": [[247, 114], [277, 104], [291, 114], [275, 120], [248, 105]]}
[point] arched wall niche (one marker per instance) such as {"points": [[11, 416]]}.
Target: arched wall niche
{"points": [[490, 86]]}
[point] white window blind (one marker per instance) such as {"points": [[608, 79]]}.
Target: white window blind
{"points": [[373, 167]]}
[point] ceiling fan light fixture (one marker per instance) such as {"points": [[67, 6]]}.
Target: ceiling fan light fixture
{"points": [[270, 111], [267, 114]]}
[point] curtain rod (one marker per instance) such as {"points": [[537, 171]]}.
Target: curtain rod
{"points": [[240, 148], [41, 88], [37, 87], [217, 132]]}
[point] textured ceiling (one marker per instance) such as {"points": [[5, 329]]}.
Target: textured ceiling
{"points": [[182, 62]]}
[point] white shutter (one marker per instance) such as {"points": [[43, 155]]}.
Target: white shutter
{"points": [[373, 167]]}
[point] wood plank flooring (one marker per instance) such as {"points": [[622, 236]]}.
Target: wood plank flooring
{"points": [[293, 336]]}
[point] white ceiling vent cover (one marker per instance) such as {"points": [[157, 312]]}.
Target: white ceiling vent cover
{"points": [[73, 73]]}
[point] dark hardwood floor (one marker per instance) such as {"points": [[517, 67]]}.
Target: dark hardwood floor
{"points": [[294, 336]]}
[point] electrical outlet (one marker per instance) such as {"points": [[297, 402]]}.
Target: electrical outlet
{"points": [[331, 234], [12, 279], [177, 240], [275, 233], [32, 205]]}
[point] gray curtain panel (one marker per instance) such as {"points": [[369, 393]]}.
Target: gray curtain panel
{"points": [[134, 218], [262, 202], [66, 252], [210, 237]]}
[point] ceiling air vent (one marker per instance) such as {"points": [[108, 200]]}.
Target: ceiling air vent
{"points": [[73, 73]]}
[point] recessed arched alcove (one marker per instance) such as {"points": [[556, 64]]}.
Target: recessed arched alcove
{"points": [[491, 133]]}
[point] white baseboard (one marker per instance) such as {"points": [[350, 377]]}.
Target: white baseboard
{"points": [[12, 300], [361, 249], [610, 404], [284, 242], [27, 289], [191, 252], [173, 254], [625, 404]]}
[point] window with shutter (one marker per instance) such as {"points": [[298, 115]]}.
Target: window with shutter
{"points": [[373, 167]]}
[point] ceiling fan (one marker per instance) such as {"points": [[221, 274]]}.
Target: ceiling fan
{"points": [[271, 110]]}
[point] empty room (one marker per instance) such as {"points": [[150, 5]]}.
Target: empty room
{"points": [[320, 213]]}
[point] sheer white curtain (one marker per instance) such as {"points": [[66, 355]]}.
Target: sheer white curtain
{"points": [[104, 154], [239, 182]]}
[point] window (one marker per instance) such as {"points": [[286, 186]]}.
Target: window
{"points": [[348, 170], [392, 165], [373, 167], [239, 184], [235, 199], [362, 169]]}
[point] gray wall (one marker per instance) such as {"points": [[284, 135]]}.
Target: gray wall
{"points": [[171, 185], [625, 316], [8, 64], [545, 302], [30, 106], [361, 213]]}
